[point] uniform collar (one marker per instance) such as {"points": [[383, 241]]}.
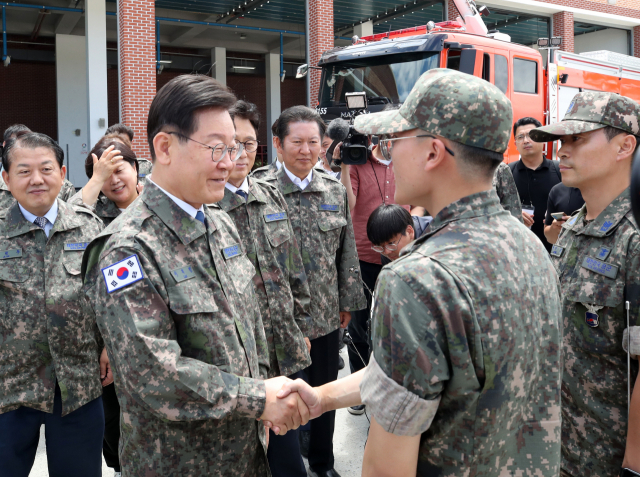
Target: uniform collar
{"points": [[231, 200], [608, 220], [469, 207], [188, 208], [105, 207], [287, 186], [301, 183], [185, 226], [244, 187], [16, 223]]}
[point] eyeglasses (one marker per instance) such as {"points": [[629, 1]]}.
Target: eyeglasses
{"points": [[520, 137], [250, 146], [386, 145], [219, 150], [391, 247]]}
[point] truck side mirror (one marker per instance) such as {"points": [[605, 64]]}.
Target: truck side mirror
{"points": [[471, 61], [302, 71]]}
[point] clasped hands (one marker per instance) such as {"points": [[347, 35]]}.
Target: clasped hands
{"points": [[289, 404]]}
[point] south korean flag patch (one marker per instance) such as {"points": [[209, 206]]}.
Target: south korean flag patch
{"points": [[122, 273]]}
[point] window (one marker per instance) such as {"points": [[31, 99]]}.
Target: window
{"points": [[525, 76], [486, 68], [453, 60], [501, 73]]}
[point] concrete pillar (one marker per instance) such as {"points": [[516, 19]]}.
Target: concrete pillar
{"points": [[563, 26], [321, 36], [219, 64], [95, 19], [363, 29], [72, 97], [272, 73], [136, 67]]}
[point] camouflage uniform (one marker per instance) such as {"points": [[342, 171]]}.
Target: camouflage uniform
{"points": [[47, 327], [104, 208], [281, 283], [7, 200], [598, 263], [265, 171], [322, 227], [466, 339], [144, 170], [186, 341], [507, 191]]}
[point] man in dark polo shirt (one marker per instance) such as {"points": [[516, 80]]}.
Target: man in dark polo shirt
{"points": [[535, 176], [561, 199]]}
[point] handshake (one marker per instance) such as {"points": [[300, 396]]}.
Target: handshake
{"points": [[290, 404]]}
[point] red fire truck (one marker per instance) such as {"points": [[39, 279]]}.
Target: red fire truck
{"points": [[386, 66]]}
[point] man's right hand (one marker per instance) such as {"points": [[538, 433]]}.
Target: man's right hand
{"points": [[286, 413], [556, 225], [528, 219], [311, 397]]}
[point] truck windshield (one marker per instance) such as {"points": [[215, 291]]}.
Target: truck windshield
{"points": [[385, 79]]}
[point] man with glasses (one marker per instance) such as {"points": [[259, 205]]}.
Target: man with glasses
{"points": [[464, 378], [174, 296], [260, 214], [535, 176]]}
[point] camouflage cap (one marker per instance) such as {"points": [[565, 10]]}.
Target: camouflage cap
{"points": [[593, 110], [454, 105]]}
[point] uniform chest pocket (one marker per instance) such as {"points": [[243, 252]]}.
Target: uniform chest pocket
{"points": [[14, 270], [241, 272], [597, 318], [330, 225], [190, 297], [72, 262], [277, 227]]}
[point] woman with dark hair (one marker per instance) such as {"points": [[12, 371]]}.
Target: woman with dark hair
{"points": [[113, 179]]}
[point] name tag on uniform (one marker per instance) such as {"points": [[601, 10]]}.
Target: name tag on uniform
{"points": [[232, 251], [275, 217], [70, 247], [603, 253], [600, 267], [557, 251], [15, 253], [572, 220], [182, 274], [122, 273], [330, 207]]}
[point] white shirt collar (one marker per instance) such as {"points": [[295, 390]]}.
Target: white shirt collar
{"points": [[278, 164], [244, 187], [189, 209], [51, 216], [302, 183]]}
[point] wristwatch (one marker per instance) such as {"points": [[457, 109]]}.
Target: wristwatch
{"points": [[629, 473]]}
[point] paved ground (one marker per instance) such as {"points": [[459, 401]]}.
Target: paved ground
{"points": [[348, 442]]}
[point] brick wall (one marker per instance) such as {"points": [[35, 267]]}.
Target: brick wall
{"points": [[320, 40], [451, 12], [563, 26], [137, 67], [29, 97], [636, 42]]}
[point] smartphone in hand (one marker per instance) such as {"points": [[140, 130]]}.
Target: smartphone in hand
{"points": [[558, 215]]}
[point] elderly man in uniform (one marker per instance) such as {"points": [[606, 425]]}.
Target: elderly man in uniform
{"points": [[6, 199], [319, 212], [465, 373], [174, 295], [597, 256], [49, 346], [260, 215]]}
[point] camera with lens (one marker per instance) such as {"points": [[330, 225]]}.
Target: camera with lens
{"points": [[355, 146]]}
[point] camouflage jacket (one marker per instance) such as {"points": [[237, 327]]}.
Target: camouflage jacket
{"points": [[507, 191], [144, 170], [322, 227], [7, 200], [103, 208], [280, 279], [466, 346], [599, 266], [265, 171], [185, 340], [47, 327]]}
